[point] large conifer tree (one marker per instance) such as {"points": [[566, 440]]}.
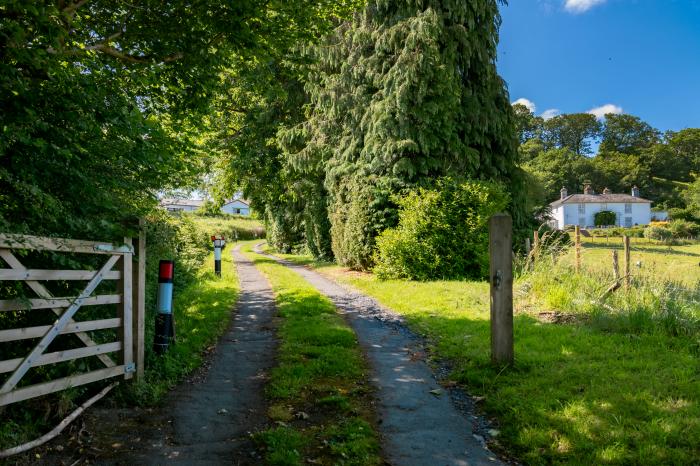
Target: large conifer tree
{"points": [[404, 94]]}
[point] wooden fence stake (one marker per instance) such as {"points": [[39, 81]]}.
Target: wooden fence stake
{"points": [[616, 265], [578, 248], [528, 247], [139, 303], [626, 243], [536, 236], [501, 276]]}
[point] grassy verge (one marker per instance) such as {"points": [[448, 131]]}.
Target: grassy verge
{"points": [[578, 394], [202, 312], [320, 398]]}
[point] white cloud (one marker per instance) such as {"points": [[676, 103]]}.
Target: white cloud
{"points": [[550, 113], [603, 110], [581, 6], [528, 103]]}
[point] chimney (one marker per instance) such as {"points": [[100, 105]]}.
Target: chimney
{"points": [[635, 191], [588, 190], [607, 191], [564, 193]]}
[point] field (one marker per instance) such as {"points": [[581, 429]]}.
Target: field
{"points": [[231, 226], [614, 388], [650, 260]]}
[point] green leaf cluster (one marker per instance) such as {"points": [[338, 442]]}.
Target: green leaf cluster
{"points": [[442, 232]]}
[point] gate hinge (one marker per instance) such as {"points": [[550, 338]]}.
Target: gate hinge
{"points": [[131, 367]]}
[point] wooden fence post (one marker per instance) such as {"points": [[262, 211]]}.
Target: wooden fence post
{"points": [[501, 277], [126, 310], [578, 248], [528, 247], [626, 243], [536, 236], [616, 266], [139, 303]]}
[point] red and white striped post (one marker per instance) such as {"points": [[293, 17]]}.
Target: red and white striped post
{"points": [[165, 329], [219, 242]]}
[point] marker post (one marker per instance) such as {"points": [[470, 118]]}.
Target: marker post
{"points": [[219, 242], [164, 330]]}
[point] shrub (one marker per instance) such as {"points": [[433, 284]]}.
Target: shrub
{"points": [[682, 229], [658, 233], [442, 232], [604, 218]]}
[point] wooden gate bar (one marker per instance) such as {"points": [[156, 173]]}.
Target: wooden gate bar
{"points": [[62, 321], [33, 391], [39, 274], [32, 304], [61, 245], [41, 290], [125, 311], [27, 333], [10, 365]]}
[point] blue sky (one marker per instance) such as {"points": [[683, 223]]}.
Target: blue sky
{"points": [[635, 56]]}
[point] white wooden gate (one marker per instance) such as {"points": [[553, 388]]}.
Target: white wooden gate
{"points": [[128, 319]]}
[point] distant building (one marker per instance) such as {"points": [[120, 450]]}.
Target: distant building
{"points": [[236, 206], [580, 209], [177, 205]]}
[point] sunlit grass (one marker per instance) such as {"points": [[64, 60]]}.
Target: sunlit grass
{"points": [[579, 393], [319, 393]]}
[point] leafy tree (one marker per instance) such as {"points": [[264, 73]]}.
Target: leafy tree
{"points": [[619, 172], [406, 93], [557, 168], [627, 134], [527, 125], [572, 131]]}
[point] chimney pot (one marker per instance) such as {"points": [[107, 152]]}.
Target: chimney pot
{"points": [[564, 193], [588, 190], [607, 191], [635, 191]]}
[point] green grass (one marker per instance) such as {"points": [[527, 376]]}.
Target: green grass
{"points": [[202, 312], [658, 261], [231, 226], [578, 394], [320, 397]]}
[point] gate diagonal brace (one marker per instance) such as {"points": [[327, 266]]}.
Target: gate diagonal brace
{"points": [[43, 292]]}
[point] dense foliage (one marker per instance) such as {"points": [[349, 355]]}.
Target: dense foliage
{"points": [[321, 137], [604, 218], [442, 232]]}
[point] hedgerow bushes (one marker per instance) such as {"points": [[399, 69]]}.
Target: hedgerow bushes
{"points": [[442, 232]]}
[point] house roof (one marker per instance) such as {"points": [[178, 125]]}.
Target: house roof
{"points": [[181, 202], [237, 200], [599, 198]]}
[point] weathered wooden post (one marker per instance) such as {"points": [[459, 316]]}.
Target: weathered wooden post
{"points": [[616, 266], [577, 235], [139, 302], [536, 236], [126, 311], [626, 243], [528, 247], [501, 277]]}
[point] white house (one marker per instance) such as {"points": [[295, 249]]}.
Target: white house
{"points": [[236, 206], [580, 209], [175, 205]]}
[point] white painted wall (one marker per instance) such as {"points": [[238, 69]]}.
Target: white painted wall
{"points": [[236, 207], [173, 208], [568, 214]]}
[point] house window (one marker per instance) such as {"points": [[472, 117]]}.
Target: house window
{"points": [[582, 208], [628, 208], [236, 211], [628, 222]]}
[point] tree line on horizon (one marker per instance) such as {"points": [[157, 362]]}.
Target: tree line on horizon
{"points": [[558, 152]]}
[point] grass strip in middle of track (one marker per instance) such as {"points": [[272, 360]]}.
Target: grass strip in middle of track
{"points": [[320, 398]]}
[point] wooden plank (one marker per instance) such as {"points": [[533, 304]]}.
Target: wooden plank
{"points": [[139, 303], [10, 241], [35, 303], [126, 311], [34, 391], [41, 291], [27, 333], [501, 277], [62, 321], [40, 274], [62, 356]]}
